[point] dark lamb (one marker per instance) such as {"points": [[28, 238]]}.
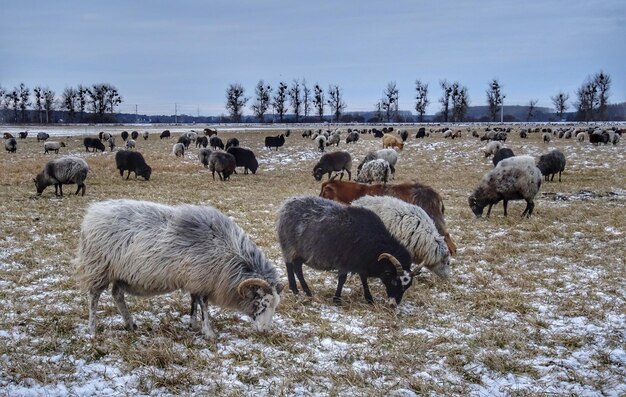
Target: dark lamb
{"points": [[93, 143], [165, 134], [131, 161], [274, 141], [216, 142], [244, 158], [551, 163]]}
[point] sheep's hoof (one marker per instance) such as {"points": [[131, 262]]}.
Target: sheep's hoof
{"points": [[337, 300]]}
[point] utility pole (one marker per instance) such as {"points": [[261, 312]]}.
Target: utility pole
{"points": [[502, 110], [175, 113], [136, 117]]}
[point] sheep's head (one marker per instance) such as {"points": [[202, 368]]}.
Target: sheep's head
{"points": [[477, 209], [318, 173], [396, 280], [259, 301], [145, 172], [40, 183]]}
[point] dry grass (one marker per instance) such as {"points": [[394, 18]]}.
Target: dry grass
{"points": [[534, 306]]}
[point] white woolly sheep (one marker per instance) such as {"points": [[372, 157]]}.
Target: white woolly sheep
{"points": [[374, 171], [320, 142], [580, 137], [414, 229], [111, 142], [491, 148], [144, 248], [547, 137], [131, 144], [178, 150]]}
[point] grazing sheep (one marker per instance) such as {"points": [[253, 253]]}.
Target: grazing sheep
{"points": [[8, 135], [523, 134], [374, 171], [491, 148], [502, 154], [404, 135], [65, 170], [274, 141], [244, 158], [519, 161], [23, 134], [506, 183], [414, 229], [500, 136], [551, 163], [580, 137], [216, 142], [10, 145], [547, 137], [334, 237], [111, 142], [126, 160], [392, 141], [178, 150], [352, 137], [378, 133], [165, 134], [232, 142], [134, 135], [191, 135], [223, 163], [145, 135], [131, 144], [390, 155], [320, 142], [488, 136], [447, 134], [124, 135], [203, 156], [333, 139], [210, 132], [421, 133], [144, 248], [335, 161], [616, 139], [42, 136], [185, 141], [93, 143], [49, 146], [106, 136]]}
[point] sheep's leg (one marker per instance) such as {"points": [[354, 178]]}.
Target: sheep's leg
{"points": [[194, 308], [80, 186], [552, 178], [529, 209], [93, 308], [559, 176], [298, 270], [366, 289], [341, 280], [213, 175], [489, 210], [61, 189], [349, 175], [220, 175], [207, 330], [291, 278], [118, 297], [505, 204], [128, 176]]}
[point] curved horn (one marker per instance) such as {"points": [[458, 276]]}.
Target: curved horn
{"points": [[393, 261], [253, 282]]}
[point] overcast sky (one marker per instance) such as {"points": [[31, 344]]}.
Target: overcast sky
{"points": [[158, 53]]}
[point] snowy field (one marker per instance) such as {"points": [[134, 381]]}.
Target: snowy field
{"points": [[533, 307]]}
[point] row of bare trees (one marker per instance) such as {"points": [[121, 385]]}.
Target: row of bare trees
{"points": [[99, 99]]}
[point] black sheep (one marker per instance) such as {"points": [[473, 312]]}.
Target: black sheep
{"points": [[421, 133], [185, 141], [501, 154], [134, 135], [274, 141], [165, 134], [404, 135], [335, 161], [202, 141], [215, 142], [244, 158], [131, 161], [551, 163], [124, 135], [232, 142], [93, 143]]}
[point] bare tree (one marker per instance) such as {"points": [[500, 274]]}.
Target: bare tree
{"points": [[378, 108], [48, 102], [318, 101], [69, 100], [460, 101], [532, 106], [24, 102], [603, 83], [445, 99], [306, 99], [112, 98], [560, 103], [81, 96], [295, 96], [389, 101], [494, 98], [3, 102], [235, 101], [335, 102], [38, 92], [13, 101], [587, 99], [262, 102], [280, 100], [421, 99]]}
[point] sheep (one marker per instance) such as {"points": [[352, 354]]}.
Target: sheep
{"points": [[491, 148], [203, 156], [93, 143], [202, 141], [10, 145], [335, 161], [378, 133], [145, 135], [42, 136], [596, 138], [184, 140], [320, 142], [106, 136], [374, 171], [49, 146], [331, 236], [306, 133], [244, 158], [178, 150], [274, 141], [223, 163], [580, 137], [519, 161], [390, 155], [551, 163], [488, 136], [352, 137], [457, 134], [447, 134], [421, 132], [8, 135], [111, 142], [616, 139], [210, 131], [333, 139], [232, 142], [215, 142], [65, 170], [134, 135], [23, 134], [404, 135], [145, 248], [502, 154], [523, 134], [506, 183], [500, 136], [126, 160], [124, 135], [131, 144], [392, 141], [414, 229], [165, 134], [191, 135], [547, 137]]}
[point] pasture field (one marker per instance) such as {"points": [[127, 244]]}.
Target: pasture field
{"points": [[533, 306]]}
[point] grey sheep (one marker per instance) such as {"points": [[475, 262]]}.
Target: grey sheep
{"points": [[223, 163], [203, 156], [491, 148], [52, 146], [144, 248], [65, 170], [390, 155], [335, 161], [178, 150], [551, 163], [374, 171], [131, 144], [10, 145]]}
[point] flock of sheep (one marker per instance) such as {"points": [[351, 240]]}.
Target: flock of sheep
{"points": [[369, 227]]}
